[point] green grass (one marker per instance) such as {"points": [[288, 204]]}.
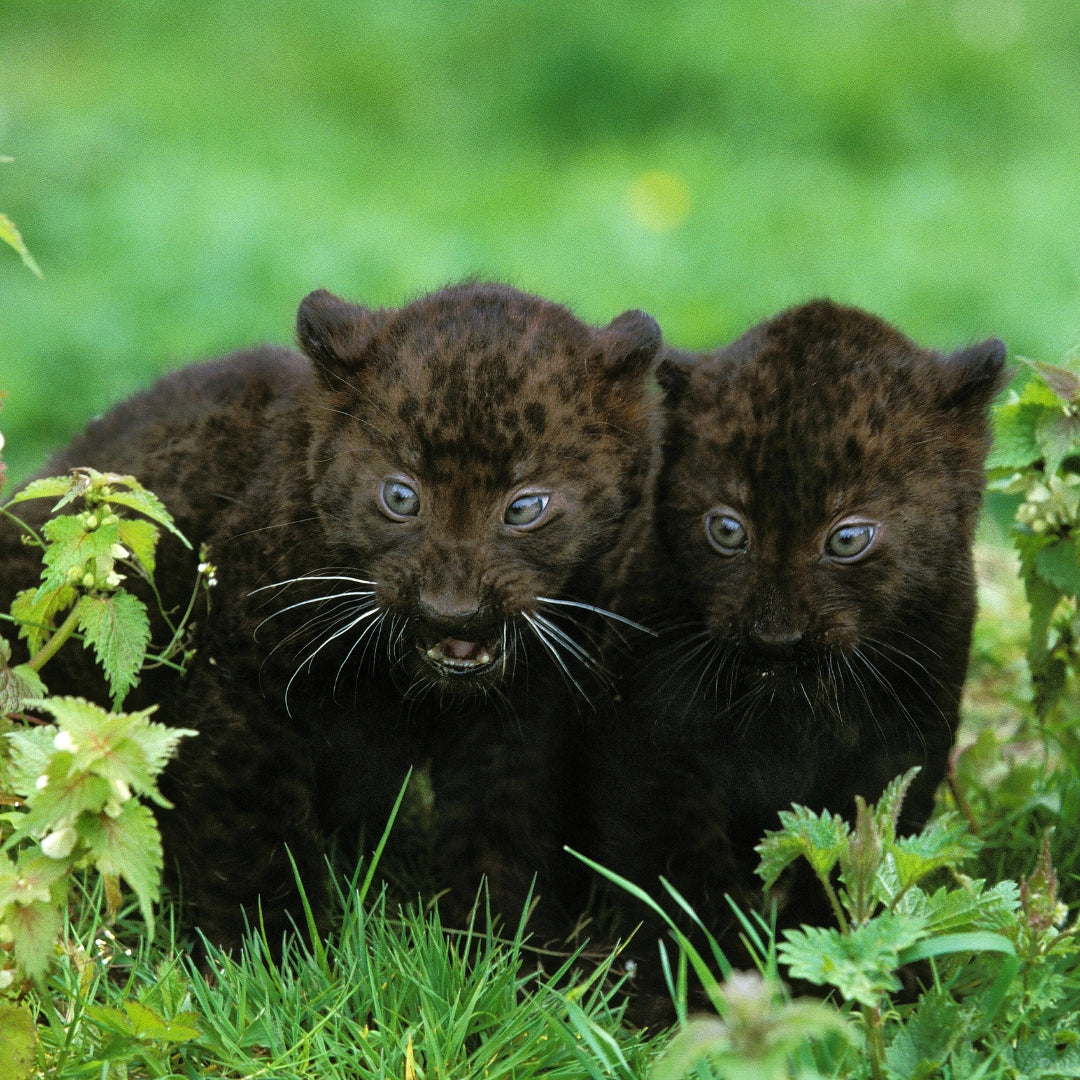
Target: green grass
{"points": [[185, 176], [390, 995]]}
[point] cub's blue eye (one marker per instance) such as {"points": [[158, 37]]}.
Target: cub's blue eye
{"points": [[526, 509], [850, 541], [726, 532], [398, 501]]}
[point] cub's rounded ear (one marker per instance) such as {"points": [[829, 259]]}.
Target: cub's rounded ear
{"points": [[630, 341], [971, 377], [673, 374], [333, 332]]}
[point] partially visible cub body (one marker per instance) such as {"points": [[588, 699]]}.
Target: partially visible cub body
{"points": [[812, 575], [401, 520]]}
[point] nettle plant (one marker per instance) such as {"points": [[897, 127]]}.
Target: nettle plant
{"points": [[1036, 456], [72, 773]]}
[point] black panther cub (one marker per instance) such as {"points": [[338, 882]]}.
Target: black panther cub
{"points": [[412, 525], [811, 569]]}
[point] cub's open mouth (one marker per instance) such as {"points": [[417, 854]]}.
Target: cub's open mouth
{"points": [[456, 658]]}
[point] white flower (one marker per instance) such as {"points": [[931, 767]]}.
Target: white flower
{"points": [[42, 782], [7, 977], [64, 741], [60, 843], [120, 790], [118, 551]]}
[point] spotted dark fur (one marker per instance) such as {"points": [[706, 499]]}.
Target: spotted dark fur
{"points": [[785, 674], [312, 696]]}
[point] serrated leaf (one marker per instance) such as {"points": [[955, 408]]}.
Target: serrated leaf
{"points": [[1064, 384], [861, 963], [819, 838], [18, 1037], [17, 684], [1045, 1055], [31, 749], [922, 1044], [1058, 435], [146, 1023], [118, 628], [1015, 445], [35, 611], [887, 808], [34, 930], [67, 794], [124, 748], [148, 504], [140, 537], [48, 487], [72, 546], [128, 846], [945, 842], [972, 907], [1057, 564], [1036, 392]]}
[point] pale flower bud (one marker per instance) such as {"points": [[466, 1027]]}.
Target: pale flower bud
{"points": [[64, 741], [59, 844]]}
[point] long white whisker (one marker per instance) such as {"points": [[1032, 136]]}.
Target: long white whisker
{"points": [[541, 634], [311, 577], [306, 662], [598, 611]]}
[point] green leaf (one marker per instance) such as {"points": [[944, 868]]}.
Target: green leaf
{"points": [[888, 807], [17, 684], [1064, 384], [945, 842], [18, 1037], [33, 879], [1015, 445], [118, 628], [1048, 1054], [121, 748], [35, 611], [140, 537], [66, 794], [1058, 435], [31, 749], [34, 930], [48, 487], [819, 838], [128, 846], [75, 549], [921, 1046], [972, 907], [148, 1024], [146, 503], [1057, 564], [10, 235], [861, 963]]}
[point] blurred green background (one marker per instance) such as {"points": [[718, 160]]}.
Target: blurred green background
{"points": [[186, 172]]}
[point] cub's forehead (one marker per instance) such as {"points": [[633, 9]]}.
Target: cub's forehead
{"points": [[804, 425]]}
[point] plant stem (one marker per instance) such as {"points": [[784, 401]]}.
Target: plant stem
{"points": [[834, 902], [875, 1041], [63, 632]]}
